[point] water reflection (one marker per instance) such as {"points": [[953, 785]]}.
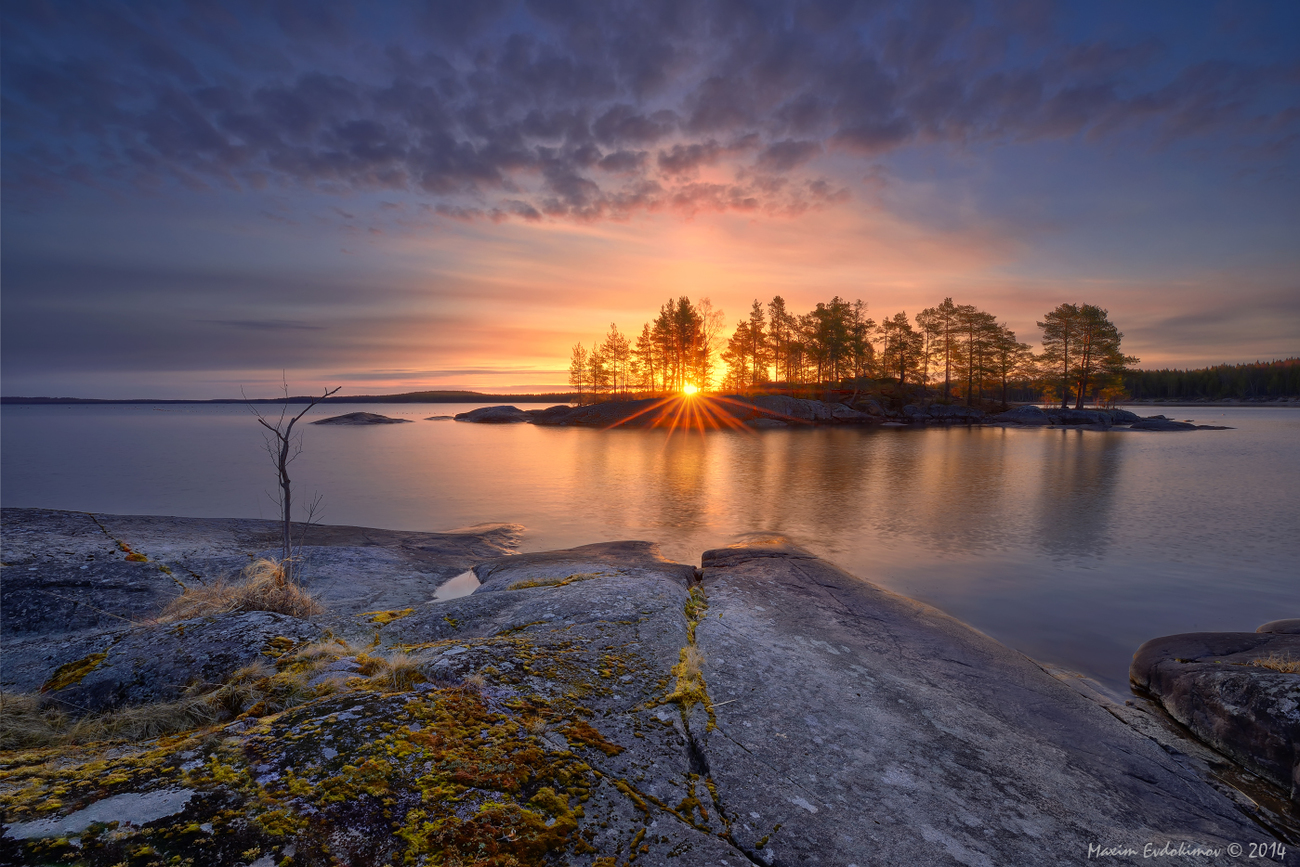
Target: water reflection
{"points": [[1079, 481], [1074, 546]]}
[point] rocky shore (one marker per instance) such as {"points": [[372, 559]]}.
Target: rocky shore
{"points": [[595, 706], [774, 410]]}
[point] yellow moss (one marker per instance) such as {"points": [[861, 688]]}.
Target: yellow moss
{"points": [[72, 673], [556, 582], [383, 618]]}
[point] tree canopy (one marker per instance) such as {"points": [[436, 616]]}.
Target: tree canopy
{"points": [[948, 352]]}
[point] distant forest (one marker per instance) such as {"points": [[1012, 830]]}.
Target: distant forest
{"points": [[949, 352], [1261, 380]]}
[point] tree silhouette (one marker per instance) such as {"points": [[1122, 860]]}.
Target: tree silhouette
{"points": [[578, 370], [283, 448], [1082, 345]]}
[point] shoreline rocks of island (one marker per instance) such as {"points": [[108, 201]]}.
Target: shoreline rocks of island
{"points": [[765, 707], [777, 411]]}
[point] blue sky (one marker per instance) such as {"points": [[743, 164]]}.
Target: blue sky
{"points": [[200, 196]]}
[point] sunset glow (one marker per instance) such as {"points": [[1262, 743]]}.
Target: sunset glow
{"points": [[689, 389], [183, 218]]}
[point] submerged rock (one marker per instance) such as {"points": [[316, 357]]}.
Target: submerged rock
{"points": [[362, 418], [1235, 691], [1161, 424]]}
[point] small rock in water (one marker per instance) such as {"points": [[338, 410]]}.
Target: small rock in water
{"points": [[362, 418]]}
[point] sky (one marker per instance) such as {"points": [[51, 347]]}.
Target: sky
{"points": [[205, 197]]}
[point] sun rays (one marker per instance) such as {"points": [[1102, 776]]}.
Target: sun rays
{"points": [[692, 410]]}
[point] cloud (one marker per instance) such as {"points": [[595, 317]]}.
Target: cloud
{"points": [[580, 111]]}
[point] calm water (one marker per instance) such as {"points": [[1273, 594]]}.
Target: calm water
{"points": [[1072, 546]]}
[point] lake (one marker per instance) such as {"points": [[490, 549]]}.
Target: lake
{"points": [[1071, 546]]}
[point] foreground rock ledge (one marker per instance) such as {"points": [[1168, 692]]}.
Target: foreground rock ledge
{"points": [[1220, 686], [580, 707]]}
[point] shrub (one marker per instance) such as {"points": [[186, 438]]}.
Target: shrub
{"points": [[264, 588]]}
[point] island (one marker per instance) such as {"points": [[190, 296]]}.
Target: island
{"points": [[702, 410], [584, 706]]}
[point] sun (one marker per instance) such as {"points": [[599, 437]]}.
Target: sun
{"points": [[689, 389]]}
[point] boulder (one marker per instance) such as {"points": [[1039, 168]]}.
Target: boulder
{"points": [[362, 418], [552, 414], [870, 406], [1220, 685], [766, 423], [495, 415], [1028, 415], [1289, 626], [1122, 416]]}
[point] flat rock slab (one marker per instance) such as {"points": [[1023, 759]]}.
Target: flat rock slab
{"points": [[857, 726], [630, 559], [556, 724], [1213, 683], [539, 701], [355, 418], [75, 582]]}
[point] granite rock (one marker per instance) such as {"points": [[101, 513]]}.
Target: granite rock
{"points": [[849, 720], [1214, 683], [495, 415]]}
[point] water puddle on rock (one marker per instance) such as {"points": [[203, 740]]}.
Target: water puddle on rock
{"points": [[462, 585]]}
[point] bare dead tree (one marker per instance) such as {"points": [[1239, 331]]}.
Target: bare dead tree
{"points": [[283, 447]]}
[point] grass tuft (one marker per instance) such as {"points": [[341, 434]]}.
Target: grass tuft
{"points": [[1284, 664], [264, 588]]}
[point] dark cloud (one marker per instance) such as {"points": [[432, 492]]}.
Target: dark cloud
{"points": [[585, 110]]}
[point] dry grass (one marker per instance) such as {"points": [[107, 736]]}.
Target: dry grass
{"points": [[257, 689], [395, 672], [264, 588], [28, 721], [1284, 664]]}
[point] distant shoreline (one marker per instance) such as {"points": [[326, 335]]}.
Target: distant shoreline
{"points": [[480, 397], [409, 397]]}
